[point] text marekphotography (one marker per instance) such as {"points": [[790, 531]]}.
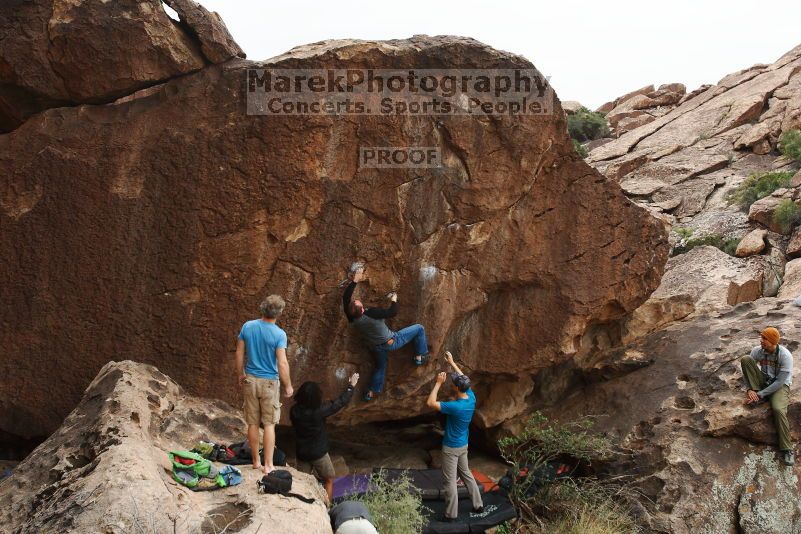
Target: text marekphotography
{"points": [[385, 157], [398, 92]]}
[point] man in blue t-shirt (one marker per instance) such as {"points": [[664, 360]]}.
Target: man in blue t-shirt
{"points": [[265, 344], [458, 414]]}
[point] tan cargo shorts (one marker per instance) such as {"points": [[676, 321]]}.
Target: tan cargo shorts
{"points": [[322, 467], [262, 400]]}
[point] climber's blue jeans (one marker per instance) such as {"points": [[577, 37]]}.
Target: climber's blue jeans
{"points": [[402, 337]]}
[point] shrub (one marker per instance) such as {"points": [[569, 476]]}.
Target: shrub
{"points": [[586, 125], [684, 233], [758, 186], [729, 246], [587, 507], [578, 147], [787, 215], [541, 442], [790, 144], [563, 506], [395, 506]]}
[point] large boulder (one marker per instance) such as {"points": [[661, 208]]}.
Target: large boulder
{"points": [[753, 243], [63, 52], [571, 107], [106, 470], [151, 228]]}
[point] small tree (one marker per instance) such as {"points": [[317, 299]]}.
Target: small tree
{"points": [[541, 443], [566, 505], [585, 125]]}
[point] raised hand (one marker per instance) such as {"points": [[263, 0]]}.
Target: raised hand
{"points": [[354, 379], [358, 276], [441, 377], [449, 359]]}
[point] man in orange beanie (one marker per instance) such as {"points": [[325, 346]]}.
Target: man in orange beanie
{"points": [[768, 373]]}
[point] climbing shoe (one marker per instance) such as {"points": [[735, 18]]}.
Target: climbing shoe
{"points": [[788, 457]]}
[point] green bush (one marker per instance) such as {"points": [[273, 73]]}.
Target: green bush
{"points": [[563, 506], [787, 215], [790, 144], [586, 507], [540, 442], [586, 125], [578, 147], [758, 186], [729, 246], [576, 516], [395, 506], [554, 506]]}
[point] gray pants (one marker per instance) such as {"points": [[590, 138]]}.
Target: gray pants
{"points": [[454, 461]]}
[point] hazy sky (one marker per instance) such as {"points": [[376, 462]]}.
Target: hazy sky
{"points": [[592, 51]]}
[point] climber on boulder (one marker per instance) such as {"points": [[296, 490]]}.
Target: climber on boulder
{"points": [[379, 338], [458, 414], [768, 373], [267, 367]]}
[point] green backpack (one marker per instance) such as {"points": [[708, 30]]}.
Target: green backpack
{"points": [[189, 469]]}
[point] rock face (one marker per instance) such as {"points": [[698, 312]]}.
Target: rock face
{"points": [[683, 165], [705, 461], [61, 52], [105, 470], [713, 120], [712, 278], [642, 106], [152, 227]]}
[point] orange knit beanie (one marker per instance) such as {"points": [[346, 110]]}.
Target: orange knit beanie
{"points": [[772, 335]]}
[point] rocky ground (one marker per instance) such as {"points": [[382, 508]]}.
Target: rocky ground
{"points": [[106, 469]]}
